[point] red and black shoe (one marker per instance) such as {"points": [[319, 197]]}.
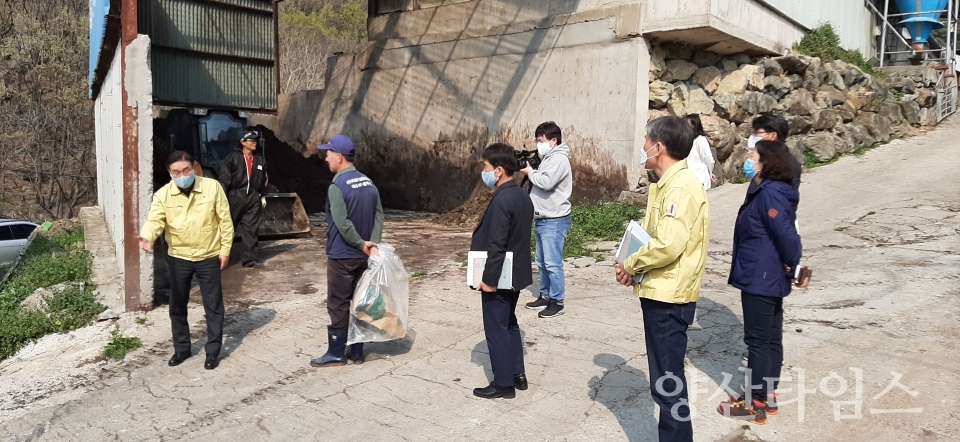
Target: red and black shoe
{"points": [[772, 409], [738, 409]]}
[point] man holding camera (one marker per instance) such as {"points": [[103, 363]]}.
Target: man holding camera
{"points": [[552, 187]]}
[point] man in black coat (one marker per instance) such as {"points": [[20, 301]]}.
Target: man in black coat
{"points": [[505, 227], [244, 177]]}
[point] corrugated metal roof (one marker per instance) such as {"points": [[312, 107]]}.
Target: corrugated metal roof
{"points": [[180, 78], [211, 52]]}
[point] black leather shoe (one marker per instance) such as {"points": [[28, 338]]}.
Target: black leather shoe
{"points": [[493, 391], [211, 362], [254, 265], [520, 381], [178, 359]]}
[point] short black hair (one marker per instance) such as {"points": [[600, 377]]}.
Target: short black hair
{"points": [[675, 133], [694, 121], [177, 156], [772, 123], [776, 160], [549, 130], [501, 155]]}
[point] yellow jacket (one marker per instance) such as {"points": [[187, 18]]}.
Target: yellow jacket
{"points": [[678, 219], [198, 226]]}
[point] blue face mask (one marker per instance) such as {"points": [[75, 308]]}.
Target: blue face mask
{"points": [[748, 169], [185, 181], [488, 178]]}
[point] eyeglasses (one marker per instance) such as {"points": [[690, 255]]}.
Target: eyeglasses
{"points": [[761, 133], [180, 173]]}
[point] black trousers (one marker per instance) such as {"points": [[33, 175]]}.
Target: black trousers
{"points": [[665, 332], [245, 209], [342, 278], [763, 334], [503, 335], [208, 276]]}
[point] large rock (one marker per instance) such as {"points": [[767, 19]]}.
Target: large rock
{"points": [[835, 79], [825, 119], [846, 112], [796, 81], [741, 58], [776, 86], [771, 67], [852, 134], [678, 99], [878, 126], [698, 102], [829, 96], [728, 65], [798, 102], [813, 78], [901, 84], [678, 70], [824, 145], [901, 130], [911, 112], [793, 64], [721, 134], [637, 199], [660, 93], [799, 125], [926, 97], [657, 63], [756, 103], [739, 108], [676, 51], [795, 148], [853, 76], [708, 78], [733, 83], [705, 58], [754, 76], [893, 113], [733, 165], [653, 114], [929, 117], [865, 100], [37, 300]]}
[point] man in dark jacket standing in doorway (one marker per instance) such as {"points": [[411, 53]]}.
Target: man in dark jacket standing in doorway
{"points": [[244, 177], [354, 227]]}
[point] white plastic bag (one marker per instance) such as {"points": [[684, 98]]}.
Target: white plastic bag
{"points": [[378, 311]]}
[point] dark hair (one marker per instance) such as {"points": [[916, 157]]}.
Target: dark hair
{"points": [[549, 130], [674, 133], [501, 155], [776, 160], [694, 121], [178, 156], [349, 158], [772, 123]]}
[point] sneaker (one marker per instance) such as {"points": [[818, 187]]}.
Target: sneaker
{"points": [[772, 409], [553, 310], [541, 303], [738, 409]]}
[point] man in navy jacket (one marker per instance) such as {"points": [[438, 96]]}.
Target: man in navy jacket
{"points": [[505, 227]]}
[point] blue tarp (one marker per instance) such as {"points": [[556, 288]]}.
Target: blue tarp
{"points": [[98, 28]]}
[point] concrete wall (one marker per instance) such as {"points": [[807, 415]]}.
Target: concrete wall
{"points": [[421, 113], [721, 26], [850, 18], [109, 138], [138, 82]]}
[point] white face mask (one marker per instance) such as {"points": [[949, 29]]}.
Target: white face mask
{"points": [[543, 147], [644, 158], [752, 141]]}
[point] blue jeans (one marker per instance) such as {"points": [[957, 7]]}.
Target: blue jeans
{"points": [[550, 235], [665, 332]]}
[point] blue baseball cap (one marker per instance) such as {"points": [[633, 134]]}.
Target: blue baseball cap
{"points": [[340, 144]]}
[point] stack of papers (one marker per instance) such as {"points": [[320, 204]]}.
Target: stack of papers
{"points": [[633, 239], [476, 261]]}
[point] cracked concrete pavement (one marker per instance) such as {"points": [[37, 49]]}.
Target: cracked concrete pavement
{"points": [[881, 232]]}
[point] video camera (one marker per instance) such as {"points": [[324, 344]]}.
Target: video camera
{"points": [[528, 156]]}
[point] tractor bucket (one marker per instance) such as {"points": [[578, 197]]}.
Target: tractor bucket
{"points": [[283, 215]]}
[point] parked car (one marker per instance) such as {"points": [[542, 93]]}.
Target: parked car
{"points": [[13, 237]]}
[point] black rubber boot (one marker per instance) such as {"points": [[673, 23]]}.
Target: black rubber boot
{"points": [[336, 347], [355, 354]]}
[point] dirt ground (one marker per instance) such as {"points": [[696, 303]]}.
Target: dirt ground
{"points": [[870, 348]]}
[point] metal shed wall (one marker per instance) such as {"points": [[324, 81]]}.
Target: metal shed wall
{"points": [[212, 53], [850, 18]]}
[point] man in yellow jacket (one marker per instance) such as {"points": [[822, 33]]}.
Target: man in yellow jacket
{"points": [[670, 268], [195, 214]]}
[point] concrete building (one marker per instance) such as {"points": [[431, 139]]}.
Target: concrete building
{"points": [[150, 59], [442, 78]]}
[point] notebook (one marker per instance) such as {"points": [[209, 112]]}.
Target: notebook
{"points": [[475, 264]]}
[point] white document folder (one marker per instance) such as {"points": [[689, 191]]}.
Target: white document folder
{"points": [[475, 264], [633, 239]]}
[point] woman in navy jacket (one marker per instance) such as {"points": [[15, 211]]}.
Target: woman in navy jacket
{"points": [[766, 250]]}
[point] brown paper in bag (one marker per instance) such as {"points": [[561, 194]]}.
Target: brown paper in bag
{"points": [[390, 324]]}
